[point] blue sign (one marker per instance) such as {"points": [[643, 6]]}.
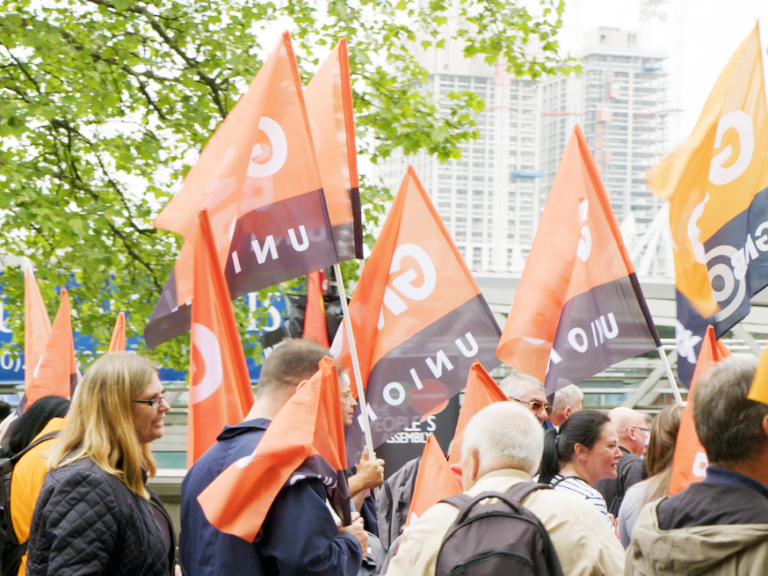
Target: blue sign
{"points": [[12, 368]]}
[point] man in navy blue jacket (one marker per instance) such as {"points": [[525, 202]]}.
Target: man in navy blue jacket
{"points": [[299, 534]]}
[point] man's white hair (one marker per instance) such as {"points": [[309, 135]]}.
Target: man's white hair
{"points": [[518, 385], [567, 396], [506, 430]]}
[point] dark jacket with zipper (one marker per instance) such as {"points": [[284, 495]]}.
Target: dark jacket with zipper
{"points": [[88, 522], [718, 527], [298, 537]]}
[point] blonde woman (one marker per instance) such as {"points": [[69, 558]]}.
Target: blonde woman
{"points": [[95, 514]]}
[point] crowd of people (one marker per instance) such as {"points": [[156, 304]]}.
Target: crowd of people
{"points": [[594, 485]]}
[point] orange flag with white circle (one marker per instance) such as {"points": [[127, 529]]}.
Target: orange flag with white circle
{"points": [[37, 326], [117, 343], [56, 372], [434, 482], [259, 180], [690, 460], [418, 317], [220, 392], [329, 106], [481, 391], [578, 308], [305, 440]]}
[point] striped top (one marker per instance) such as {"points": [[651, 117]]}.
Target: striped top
{"points": [[578, 486]]}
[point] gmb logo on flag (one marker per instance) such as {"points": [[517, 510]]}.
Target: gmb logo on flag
{"points": [[717, 186], [738, 246]]}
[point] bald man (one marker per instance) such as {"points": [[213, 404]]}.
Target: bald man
{"points": [[632, 429]]}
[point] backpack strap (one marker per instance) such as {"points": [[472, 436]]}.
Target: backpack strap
{"points": [[14, 559], [512, 497], [44, 438], [520, 491], [458, 501]]}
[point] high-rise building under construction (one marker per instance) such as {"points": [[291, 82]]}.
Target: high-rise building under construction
{"points": [[491, 199]]}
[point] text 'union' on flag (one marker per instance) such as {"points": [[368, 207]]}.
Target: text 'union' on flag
{"points": [[418, 317], [578, 308], [717, 186], [258, 178]]}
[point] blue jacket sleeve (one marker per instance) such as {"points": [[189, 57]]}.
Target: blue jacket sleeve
{"points": [[300, 535]]}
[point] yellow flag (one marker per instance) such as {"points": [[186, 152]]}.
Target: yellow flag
{"points": [[759, 389], [716, 183]]}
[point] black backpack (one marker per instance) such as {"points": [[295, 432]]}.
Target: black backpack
{"points": [[501, 537], [11, 551]]}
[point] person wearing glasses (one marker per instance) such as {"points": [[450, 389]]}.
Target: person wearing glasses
{"points": [[583, 452], [633, 439], [528, 391], [95, 514]]}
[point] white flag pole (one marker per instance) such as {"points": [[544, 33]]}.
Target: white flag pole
{"points": [[366, 423], [670, 376]]}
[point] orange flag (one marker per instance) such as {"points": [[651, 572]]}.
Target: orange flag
{"points": [[434, 482], [117, 344], [418, 317], [690, 460], [481, 391], [315, 327], [220, 386], [56, 372], [329, 105], [259, 180], [37, 326], [306, 438], [578, 307]]}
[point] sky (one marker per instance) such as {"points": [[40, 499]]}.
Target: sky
{"points": [[699, 37]]}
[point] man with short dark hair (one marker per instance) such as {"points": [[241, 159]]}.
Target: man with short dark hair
{"points": [[718, 526], [299, 534]]}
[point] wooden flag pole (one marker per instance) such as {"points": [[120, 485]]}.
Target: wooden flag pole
{"points": [[355, 363], [670, 376]]}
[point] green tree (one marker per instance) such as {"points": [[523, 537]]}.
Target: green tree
{"points": [[105, 105]]}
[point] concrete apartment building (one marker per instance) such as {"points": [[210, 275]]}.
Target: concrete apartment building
{"points": [[492, 198]]}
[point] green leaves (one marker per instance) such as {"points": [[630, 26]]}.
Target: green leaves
{"points": [[105, 105]]}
